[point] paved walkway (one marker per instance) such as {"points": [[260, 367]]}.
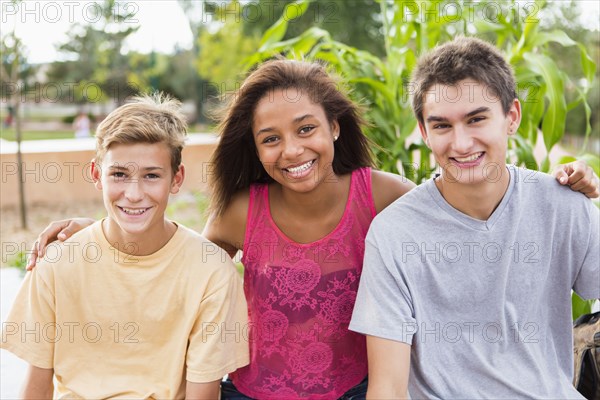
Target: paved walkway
{"points": [[12, 369]]}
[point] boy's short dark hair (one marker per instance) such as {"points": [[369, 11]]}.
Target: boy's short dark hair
{"points": [[463, 58], [155, 118]]}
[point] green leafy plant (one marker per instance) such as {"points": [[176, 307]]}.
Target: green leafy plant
{"points": [[410, 28], [580, 306], [18, 261]]}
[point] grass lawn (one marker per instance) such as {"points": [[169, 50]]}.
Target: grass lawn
{"points": [[9, 134]]}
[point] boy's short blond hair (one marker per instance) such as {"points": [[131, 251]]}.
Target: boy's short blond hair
{"points": [[155, 118]]}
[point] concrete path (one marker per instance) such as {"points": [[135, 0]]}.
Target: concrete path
{"points": [[12, 369]]}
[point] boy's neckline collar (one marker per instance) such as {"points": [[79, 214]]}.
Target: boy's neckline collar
{"points": [[478, 224], [126, 254], [476, 201]]}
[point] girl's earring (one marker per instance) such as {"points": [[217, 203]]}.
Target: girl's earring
{"points": [[335, 138]]}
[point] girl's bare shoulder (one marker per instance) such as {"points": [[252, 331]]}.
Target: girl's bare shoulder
{"points": [[388, 187], [228, 229]]}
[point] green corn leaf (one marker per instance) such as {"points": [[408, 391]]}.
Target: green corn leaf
{"points": [[588, 117], [532, 101], [382, 132], [566, 159], [532, 21], [483, 26], [408, 126], [580, 306], [524, 152], [277, 31], [557, 36], [587, 64], [553, 125], [304, 43], [545, 167], [378, 87]]}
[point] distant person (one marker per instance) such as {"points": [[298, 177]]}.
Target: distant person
{"points": [[135, 305], [9, 117], [81, 124]]}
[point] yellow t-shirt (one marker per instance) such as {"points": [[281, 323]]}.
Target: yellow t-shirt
{"points": [[119, 326]]}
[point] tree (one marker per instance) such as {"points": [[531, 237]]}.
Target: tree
{"points": [[169, 73], [223, 52], [13, 73], [97, 48], [181, 78], [194, 11]]}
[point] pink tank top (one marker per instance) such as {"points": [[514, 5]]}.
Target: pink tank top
{"points": [[300, 300]]}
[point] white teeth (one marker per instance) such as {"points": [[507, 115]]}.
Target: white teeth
{"points": [[133, 211], [468, 159], [300, 168]]}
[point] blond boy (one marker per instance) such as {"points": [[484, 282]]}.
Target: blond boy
{"points": [[135, 305]]}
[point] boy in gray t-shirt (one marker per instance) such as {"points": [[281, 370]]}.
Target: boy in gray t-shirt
{"points": [[467, 279]]}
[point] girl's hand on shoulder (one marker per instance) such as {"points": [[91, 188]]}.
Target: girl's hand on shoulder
{"points": [[579, 177], [388, 187], [56, 230]]}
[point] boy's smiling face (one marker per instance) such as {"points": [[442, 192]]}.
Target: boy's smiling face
{"points": [[136, 181], [467, 131]]}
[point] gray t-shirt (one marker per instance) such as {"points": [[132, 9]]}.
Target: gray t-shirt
{"points": [[486, 305]]}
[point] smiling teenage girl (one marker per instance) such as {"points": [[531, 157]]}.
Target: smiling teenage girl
{"points": [[294, 191]]}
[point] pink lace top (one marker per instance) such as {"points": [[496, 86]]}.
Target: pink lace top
{"points": [[300, 300]]}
